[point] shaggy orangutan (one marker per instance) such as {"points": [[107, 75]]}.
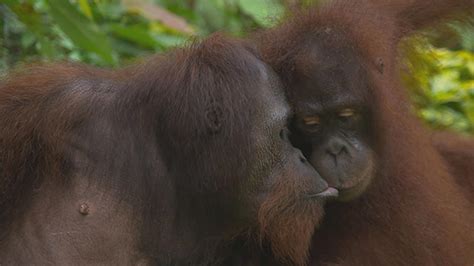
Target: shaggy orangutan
{"points": [[341, 69], [181, 160]]}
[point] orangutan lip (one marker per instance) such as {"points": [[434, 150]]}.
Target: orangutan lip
{"points": [[353, 184], [348, 185], [330, 192]]}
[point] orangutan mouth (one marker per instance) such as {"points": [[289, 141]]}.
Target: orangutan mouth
{"points": [[329, 193]]}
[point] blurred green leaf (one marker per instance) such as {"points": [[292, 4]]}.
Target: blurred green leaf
{"points": [[46, 48], [81, 31], [10, 2], [110, 10], [168, 41], [138, 34], [263, 11], [85, 8], [469, 107], [447, 83], [465, 32], [210, 12]]}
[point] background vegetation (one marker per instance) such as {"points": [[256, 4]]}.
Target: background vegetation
{"points": [[113, 32]]}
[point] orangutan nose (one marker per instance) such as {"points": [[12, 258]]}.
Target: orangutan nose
{"points": [[336, 147]]}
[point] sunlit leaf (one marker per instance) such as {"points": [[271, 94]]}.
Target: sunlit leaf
{"points": [[85, 8], [168, 41], [265, 12], [138, 34]]}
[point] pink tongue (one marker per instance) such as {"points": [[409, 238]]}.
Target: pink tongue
{"points": [[330, 192]]}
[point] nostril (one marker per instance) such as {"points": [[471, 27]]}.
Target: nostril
{"points": [[303, 159], [335, 148], [284, 134], [343, 150], [334, 152]]}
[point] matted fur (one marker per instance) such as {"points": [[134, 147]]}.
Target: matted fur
{"points": [[287, 221], [171, 136], [414, 212]]}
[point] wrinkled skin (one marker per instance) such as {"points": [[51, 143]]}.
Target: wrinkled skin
{"points": [[332, 115]]}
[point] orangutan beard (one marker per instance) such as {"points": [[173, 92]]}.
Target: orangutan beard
{"points": [[287, 222]]}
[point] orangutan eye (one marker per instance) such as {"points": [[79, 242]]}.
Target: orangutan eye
{"points": [[348, 112], [312, 120]]}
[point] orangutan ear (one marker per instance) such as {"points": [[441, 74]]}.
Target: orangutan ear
{"points": [[380, 65], [214, 118]]}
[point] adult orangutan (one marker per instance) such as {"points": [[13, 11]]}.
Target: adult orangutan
{"points": [[406, 204], [181, 160]]}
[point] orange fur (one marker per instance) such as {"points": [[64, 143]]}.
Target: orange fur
{"points": [[415, 211]]}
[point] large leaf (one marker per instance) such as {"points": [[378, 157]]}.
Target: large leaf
{"points": [[38, 32], [80, 30], [85, 8], [9, 2], [210, 15], [265, 12], [138, 34]]}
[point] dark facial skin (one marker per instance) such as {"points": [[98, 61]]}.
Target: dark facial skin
{"points": [[340, 63], [182, 160], [331, 117], [271, 136], [289, 190]]}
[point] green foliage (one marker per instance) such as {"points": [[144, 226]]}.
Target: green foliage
{"points": [[107, 32], [442, 82], [111, 32], [98, 32], [450, 90], [262, 11], [80, 29]]}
